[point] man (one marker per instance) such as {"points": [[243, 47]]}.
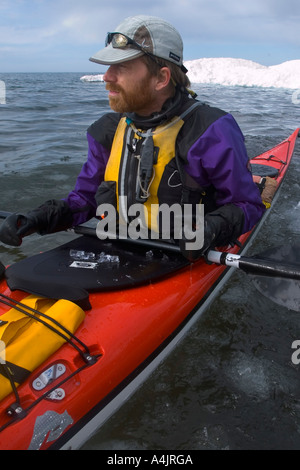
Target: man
{"points": [[159, 146]]}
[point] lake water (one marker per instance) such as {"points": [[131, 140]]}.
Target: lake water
{"points": [[230, 384]]}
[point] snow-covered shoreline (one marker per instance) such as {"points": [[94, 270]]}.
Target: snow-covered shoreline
{"points": [[232, 72]]}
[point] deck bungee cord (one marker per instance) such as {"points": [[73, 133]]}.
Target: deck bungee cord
{"points": [[16, 411], [21, 307]]}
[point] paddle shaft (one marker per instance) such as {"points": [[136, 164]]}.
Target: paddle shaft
{"points": [[255, 266], [84, 230], [160, 245]]}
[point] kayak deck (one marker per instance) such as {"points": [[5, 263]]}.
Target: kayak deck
{"points": [[86, 265], [127, 330]]}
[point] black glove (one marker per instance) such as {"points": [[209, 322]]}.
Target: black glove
{"points": [[221, 227], [51, 217]]}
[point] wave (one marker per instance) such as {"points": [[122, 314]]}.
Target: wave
{"points": [[236, 72]]}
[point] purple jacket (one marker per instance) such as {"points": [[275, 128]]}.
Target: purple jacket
{"points": [[211, 145], [219, 157]]}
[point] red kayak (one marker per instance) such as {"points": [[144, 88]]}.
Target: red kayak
{"points": [[127, 305]]}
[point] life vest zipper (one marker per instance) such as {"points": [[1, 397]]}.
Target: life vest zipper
{"points": [[128, 174]]}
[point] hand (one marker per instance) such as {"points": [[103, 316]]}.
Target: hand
{"points": [[221, 227], [14, 228], [209, 237], [50, 217]]}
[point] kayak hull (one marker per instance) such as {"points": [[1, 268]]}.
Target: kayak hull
{"points": [[128, 332]]}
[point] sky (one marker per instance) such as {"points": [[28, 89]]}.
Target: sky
{"points": [[61, 35]]}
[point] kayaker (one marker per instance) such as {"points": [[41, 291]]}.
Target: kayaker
{"points": [[159, 145]]}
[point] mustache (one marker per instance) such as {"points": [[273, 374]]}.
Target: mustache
{"points": [[113, 88]]}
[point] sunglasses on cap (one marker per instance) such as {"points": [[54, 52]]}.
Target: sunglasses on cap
{"points": [[120, 40]]}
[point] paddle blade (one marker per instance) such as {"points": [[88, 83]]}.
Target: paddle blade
{"points": [[285, 292]]}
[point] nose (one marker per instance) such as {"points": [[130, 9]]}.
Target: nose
{"points": [[110, 75]]}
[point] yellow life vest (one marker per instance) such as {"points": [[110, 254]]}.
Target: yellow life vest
{"points": [[26, 342], [164, 140]]}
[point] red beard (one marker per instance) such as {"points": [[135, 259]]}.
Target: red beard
{"points": [[136, 100]]}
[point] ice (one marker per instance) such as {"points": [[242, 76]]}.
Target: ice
{"points": [[149, 255], [251, 376], [105, 258], [82, 255], [79, 255], [231, 72], [92, 78]]}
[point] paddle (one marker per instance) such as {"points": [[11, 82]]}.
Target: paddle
{"points": [[4, 214], [275, 273], [277, 270], [270, 263]]}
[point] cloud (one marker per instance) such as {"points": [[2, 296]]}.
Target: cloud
{"points": [[89, 20], [33, 27], [267, 20]]}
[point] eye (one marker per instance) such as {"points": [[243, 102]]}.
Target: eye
{"points": [[123, 67]]}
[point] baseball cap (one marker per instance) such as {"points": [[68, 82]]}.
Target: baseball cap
{"points": [[149, 35]]}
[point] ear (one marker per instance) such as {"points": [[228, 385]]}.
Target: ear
{"points": [[163, 78]]}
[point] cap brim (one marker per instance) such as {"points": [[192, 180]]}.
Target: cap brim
{"points": [[111, 55]]}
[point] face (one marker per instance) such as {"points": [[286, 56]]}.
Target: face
{"points": [[131, 88]]}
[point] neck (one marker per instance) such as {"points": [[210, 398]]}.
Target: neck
{"points": [[157, 105], [168, 109]]}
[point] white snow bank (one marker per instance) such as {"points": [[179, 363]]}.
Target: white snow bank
{"points": [[92, 78], [231, 72]]}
